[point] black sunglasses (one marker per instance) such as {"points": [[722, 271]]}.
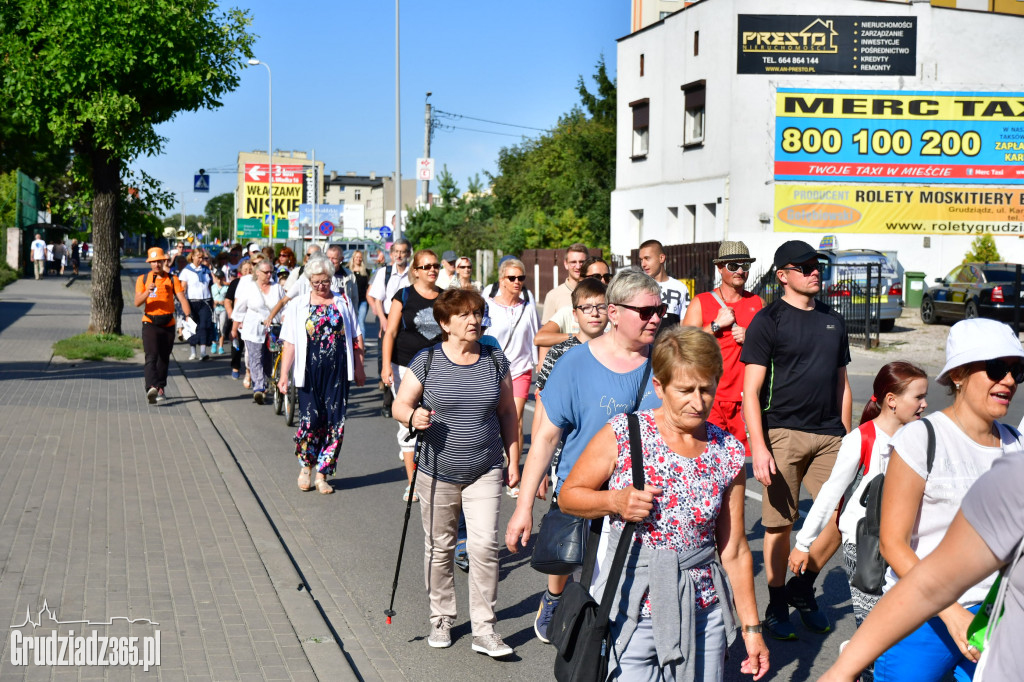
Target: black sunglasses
{"points": [[516, 278], [804, 269], [998, 369], [428, 266], [606, 277], [646, 312], [736, 267]]}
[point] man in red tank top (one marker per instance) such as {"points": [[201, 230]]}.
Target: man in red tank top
{"points": [[726, 312]]}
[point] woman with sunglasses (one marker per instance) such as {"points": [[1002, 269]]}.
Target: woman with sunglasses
{"points": [[411, 327], [463, 278], [254, 300], [324, 350], [588, 385], [982, 371], [513, 323]]}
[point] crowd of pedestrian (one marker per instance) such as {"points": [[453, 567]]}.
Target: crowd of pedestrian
{"points": [[648, 402]]}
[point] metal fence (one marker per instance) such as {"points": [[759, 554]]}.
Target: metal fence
{"points": [[855, 291]]}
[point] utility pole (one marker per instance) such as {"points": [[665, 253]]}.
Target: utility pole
{"points": [[397, 234], [426, 152]]}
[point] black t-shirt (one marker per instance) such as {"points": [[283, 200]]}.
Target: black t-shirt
{"points": [[419, 329], [803, 351], [232, 288], [362, 282]]}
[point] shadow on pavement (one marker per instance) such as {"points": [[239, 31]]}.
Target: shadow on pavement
{"points": [[12, 312]]}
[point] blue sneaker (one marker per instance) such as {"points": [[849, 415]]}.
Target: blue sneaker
{"points": [[544, 615], [235, 374], [777, 625], [802, 599]]}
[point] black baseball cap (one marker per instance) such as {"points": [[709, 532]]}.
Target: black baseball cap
{"points": [[794, 252]]}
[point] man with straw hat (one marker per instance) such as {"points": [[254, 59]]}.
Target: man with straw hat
{"points": [[156, 290], [725, 312]]}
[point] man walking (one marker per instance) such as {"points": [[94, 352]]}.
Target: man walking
{"points": [[674, 293], [156, 290], [561, 296], [38, 253], [726, 312], [797, 404], [447, 274], [385, 282]]}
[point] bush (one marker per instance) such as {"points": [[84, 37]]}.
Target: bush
{"points": [[983, 250], [7, 275]]}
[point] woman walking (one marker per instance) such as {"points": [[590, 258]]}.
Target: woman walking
{"points": [[672, 619], [324, 350], [253, 301], [411, 327], [466, 444], [237, 346], [463, 278], [198, 280], [357, 266]]}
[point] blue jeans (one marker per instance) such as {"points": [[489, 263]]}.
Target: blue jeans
{"points": [[639, 661], [925, 655], [361, 318]]}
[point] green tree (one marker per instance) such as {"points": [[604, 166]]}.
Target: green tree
{"points": [[474, 185], [219, 211], [447, 188], [93, 79], [983, 250]]}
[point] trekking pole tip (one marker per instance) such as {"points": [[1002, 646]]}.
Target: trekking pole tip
{"points": [[388, 613]]}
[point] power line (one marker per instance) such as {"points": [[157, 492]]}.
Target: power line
{"points": [[477, 130], [484, 120]]}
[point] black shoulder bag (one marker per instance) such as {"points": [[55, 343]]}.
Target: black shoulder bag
{"points": [[580, 628], [561, 538], [869, 575]]}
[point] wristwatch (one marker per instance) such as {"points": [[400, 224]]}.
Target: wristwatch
{"points": [[715, 328], [752, 629]]}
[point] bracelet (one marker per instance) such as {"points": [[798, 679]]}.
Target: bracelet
{"points": [[751, 629]]}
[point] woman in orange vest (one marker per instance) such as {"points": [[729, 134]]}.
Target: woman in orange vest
{"points": [[156, 290]]}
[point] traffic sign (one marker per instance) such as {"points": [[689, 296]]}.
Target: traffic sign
{"points": [[201, 182], [424, 169], [327, 228], [385, 233]]}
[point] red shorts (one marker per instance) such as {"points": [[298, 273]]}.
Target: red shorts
{"points": [[729, 416], [521, 384]]}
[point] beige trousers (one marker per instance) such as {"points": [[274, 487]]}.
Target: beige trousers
{"points": [[440, 504]]}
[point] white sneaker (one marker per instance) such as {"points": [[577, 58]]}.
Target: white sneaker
{"points": [[492, 645], [192, 355]]}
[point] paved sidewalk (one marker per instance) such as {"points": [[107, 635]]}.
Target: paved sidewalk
{"points": [[114, 509]]}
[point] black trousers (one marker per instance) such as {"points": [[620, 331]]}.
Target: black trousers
{"points": [[157, 343], [237, 348], [202, 315]]}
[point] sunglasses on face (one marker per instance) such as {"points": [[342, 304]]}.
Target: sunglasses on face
{"points": [[590, 309], [736, 267], [465, 267], [428, 266], [998, 369], [646, 312], [805, 269], [516, 278], [603, 277]]}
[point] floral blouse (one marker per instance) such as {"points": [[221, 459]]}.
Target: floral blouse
{"points": [[685, 514]]}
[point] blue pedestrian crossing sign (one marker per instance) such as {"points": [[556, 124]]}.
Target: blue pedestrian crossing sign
{"points": [[201, 182]]}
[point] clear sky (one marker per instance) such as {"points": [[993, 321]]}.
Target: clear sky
{"points": [[334, 83]]}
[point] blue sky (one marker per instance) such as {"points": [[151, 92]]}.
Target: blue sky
{"points": [[333, 84]]}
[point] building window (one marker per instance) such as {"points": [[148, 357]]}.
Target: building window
{"points": [[662, 15], [358, 194], [641, 66], [696, 43], [693, 114], [641, 118]]}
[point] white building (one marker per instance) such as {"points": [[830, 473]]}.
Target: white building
{"points": [[700, 146]]}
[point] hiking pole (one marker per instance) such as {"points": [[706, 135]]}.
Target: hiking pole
{"points": [[405, 527]]}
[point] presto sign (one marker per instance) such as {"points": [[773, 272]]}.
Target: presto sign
{"points": [[290, 190]]}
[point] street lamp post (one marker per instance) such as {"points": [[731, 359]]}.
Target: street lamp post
{"points": [[398, 138], [270, 145]]}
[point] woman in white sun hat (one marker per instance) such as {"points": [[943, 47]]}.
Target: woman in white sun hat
{"points": [[984, 364]]}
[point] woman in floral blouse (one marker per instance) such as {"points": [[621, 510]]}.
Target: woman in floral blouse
{"points": [[691, 506]]}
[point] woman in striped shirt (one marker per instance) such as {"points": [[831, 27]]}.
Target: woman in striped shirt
{"points": [[465, 446]]}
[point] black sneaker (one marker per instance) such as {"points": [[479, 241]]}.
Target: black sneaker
{"points": [[777, 625], [802, 599]]}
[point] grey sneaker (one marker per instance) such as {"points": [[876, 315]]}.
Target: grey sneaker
{"points": [[441, 634], [492, 645], [151, 394]]}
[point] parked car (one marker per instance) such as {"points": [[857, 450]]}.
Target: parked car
{"points": [[844, 285], [972, 290]]}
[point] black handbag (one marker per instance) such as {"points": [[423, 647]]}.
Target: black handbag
{"points": [[580, 628], [869, 575], [561, 538]]}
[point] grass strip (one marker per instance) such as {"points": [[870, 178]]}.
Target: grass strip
{"points": [[97, 347]]}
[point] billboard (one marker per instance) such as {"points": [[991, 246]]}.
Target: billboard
{"points": [[290, 189], [254, 228], [826, 45], [899, 136], [899, 209]]}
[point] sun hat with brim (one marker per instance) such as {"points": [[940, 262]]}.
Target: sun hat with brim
{"points": [[155, 254], [978, 340], [733, 252]]}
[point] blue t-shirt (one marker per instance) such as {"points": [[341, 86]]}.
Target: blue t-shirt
{"points": [[581, 395]]}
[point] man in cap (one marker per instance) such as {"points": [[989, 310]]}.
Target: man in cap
{"points": [[674, 293], [156, 290], [726, 312], [444, 278], [797, 404]]}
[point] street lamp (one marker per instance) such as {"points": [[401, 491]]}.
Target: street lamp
{"points": [[270, 144], [397, 234]]}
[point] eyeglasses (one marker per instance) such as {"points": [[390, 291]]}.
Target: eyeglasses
{"points": [[646, 312], [998, 369], [590, 309], [804, 269], [465, 267], [265, 272], [516, 278], [603, 277], [428, 266], [736, 267], [319, 285]]}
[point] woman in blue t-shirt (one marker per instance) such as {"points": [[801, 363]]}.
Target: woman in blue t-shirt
{"points": [[589, 385]]}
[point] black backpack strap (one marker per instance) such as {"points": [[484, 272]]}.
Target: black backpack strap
{"points": [[930, 451], [387, 278], [643, 382]]}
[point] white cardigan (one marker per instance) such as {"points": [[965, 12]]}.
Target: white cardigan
{"points": [[293, 330], [252, 307]]}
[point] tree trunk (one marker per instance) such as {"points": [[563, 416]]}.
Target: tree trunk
{"points": [[107, 300]]}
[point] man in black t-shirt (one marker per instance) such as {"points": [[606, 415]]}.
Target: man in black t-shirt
{"points": [[797, 405]]}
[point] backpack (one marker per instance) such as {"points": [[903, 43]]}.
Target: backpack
{"points": [[869, 576]]}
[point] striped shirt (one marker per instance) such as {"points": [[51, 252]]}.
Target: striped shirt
{"points": [[463, 441]]}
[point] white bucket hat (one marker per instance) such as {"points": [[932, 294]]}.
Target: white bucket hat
{"points": [[978, 340]]}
